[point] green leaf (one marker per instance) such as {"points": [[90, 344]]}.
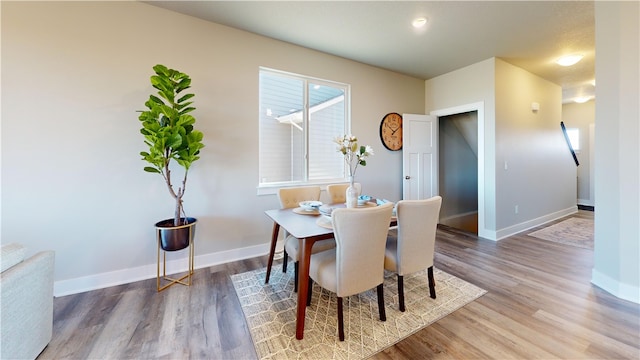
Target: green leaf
{"points": [[196, 136], [187, 110], [174, 141], [156, 99], [183, 84], [186, 119], [185, 97], [160, 69], [151, 169]]}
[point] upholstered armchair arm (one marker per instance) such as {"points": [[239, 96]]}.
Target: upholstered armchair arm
{"points": [[27, 306]]}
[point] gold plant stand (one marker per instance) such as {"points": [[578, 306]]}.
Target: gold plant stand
{"points": [[164, 277]]}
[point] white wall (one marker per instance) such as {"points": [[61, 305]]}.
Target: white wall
{"points": [[531, 143], [582, 117], [617, 157], [73, 76]]}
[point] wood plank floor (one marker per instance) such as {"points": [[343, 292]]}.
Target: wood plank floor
{"points": [[540, 305]]}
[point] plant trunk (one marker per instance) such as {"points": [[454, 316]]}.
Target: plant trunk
{"points": [[178, 210]]}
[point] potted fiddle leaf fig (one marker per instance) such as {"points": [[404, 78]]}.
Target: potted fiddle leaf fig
{"points": [[167, 126]]}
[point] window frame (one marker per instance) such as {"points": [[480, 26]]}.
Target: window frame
{"points": [[273, 187]]}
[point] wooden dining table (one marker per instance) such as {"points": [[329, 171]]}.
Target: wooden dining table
{"points": [[305, 227]]}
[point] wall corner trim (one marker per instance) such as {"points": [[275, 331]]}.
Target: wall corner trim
{"points": [[615, 287]]}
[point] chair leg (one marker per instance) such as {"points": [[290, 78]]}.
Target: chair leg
{"points": [[340, 320], [285, 259], [381, 311], [309, 291], [401, 292], [432, 283], [295, 276]]}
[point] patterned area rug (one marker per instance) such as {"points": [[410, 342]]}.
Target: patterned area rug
{"points": [[270, 311], [573, 231]]}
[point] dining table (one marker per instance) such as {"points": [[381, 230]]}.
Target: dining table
{"points": [[307, 228]]}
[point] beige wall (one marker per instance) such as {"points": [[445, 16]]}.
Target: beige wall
{"points": [[540, 176], [473, 84], [73, 76], [582, 117]]}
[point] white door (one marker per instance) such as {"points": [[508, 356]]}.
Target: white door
{"points": [[419, 156]]}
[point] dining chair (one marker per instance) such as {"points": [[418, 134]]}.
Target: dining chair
{"points": [[413, 248], [291, 198], [356, 263], [337, 192]]}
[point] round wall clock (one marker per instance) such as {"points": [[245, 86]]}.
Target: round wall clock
{"points": [[391, 131]]}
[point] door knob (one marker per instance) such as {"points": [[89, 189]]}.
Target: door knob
{"points": [[407, 177]]}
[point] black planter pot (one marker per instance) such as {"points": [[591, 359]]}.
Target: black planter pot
{"points": [[173, 238]]}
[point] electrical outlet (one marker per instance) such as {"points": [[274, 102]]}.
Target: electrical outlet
{"points": [[516, 209]]}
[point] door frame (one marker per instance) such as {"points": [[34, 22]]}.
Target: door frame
{"points": [[479, 108]]}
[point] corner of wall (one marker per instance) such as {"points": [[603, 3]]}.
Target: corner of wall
{"points": [[616, 288]]}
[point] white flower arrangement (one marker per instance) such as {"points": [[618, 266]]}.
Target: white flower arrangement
{"points": [[354, 155]]}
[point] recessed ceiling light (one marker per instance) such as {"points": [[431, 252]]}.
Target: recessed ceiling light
{"points": [[419, 22], [568, 60]]}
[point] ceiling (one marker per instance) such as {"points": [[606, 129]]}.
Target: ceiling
{"points": [[527, 34]]}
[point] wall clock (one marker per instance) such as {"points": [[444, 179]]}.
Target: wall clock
{"points": [[391, 131]]}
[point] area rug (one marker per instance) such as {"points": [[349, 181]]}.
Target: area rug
{"points": [[573, 231], [270, 311]]}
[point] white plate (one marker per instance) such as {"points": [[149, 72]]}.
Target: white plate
{"points": [[310, 205], [325, 210]]}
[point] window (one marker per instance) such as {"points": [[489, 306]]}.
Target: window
{"points": [[299, 118], [574, 138]]}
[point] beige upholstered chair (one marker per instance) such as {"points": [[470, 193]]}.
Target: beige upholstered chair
{"points": [[356, 264], [291, 198], [337, 192], [413, 249]]}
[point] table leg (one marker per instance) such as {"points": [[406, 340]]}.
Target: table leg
{"points": [[303, 284], [272, 250]]}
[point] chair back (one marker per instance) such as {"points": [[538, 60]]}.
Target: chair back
{"points": [[417, 223], [291, 197], [337, 192], [360, 236]]}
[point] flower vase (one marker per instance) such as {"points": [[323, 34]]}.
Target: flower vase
{"points": [[351, 194]]}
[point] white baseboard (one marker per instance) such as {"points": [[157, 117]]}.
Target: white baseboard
{"points": [[514, 229], [125, 276], [614, 287]]}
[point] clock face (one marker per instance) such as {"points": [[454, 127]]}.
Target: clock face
{"points": [[391, 131]]}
